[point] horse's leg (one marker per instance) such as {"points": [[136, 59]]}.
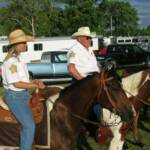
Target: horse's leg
{"points": [[116, 142], [135, 131], [135, 128]]}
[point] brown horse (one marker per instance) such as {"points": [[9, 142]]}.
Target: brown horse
{"points": [[72, 105], [76, 100], [137, 87]]}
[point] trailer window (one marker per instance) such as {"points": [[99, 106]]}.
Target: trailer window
{"points": [[128, 41], [120, 41], [5, 49], [38, 47]]}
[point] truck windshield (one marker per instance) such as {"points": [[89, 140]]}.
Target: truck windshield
{"points": [[60, 57]]}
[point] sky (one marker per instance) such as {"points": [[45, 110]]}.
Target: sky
{"points": [[143, 9]]}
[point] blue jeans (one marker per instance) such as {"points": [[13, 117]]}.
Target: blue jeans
{"points": [[18, 105], [97, 111]]}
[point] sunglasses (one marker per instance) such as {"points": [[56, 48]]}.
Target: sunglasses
{"points": [[88, 38]]}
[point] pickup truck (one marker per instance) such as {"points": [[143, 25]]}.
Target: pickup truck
{"points": [[124, 56], [52, 67]]}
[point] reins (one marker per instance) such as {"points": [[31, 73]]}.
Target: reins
{"points": [[106, 89], [77, 116], [86, 120]]}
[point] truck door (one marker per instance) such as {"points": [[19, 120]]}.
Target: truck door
{"points": [[60, 61]]}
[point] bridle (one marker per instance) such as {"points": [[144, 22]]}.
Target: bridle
{"points": [[103, 82]]}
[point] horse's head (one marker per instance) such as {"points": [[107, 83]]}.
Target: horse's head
{"points": [[112, 96]]}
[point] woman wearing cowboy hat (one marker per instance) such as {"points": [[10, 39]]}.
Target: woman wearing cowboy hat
{"points": [[16, 82]]}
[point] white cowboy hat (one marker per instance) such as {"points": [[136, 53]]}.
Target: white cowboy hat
{"points": [[18, 36], [84, 31]]}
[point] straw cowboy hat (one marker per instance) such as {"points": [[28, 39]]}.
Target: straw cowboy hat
{"points": [[84, 31], [18, 36]]}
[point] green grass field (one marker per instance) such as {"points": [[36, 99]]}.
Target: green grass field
{"points": [[144, 131]]}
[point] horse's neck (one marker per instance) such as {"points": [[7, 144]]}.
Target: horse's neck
{"points": [[132, 83], [80, 98], [142, 93]]}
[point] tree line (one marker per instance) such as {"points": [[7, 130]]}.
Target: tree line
{"points": [[45, 18]]}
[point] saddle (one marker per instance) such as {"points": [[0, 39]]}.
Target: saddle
{"points": [[7, 116]]}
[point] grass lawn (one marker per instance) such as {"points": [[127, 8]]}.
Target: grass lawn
{"points": [[144, 131]]}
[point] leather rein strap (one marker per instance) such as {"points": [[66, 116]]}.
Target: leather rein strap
{"points": [[103, 81]]}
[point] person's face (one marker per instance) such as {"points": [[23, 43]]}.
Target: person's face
{"points": [[21, 47], [85, 41]]}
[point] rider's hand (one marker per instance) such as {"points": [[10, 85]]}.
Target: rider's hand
{"points": [[40, 84]]}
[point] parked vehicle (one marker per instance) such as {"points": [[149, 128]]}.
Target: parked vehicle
{"points": [[52, 67], [124, 55]]}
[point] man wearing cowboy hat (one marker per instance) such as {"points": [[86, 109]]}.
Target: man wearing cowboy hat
{"points": [[16, 82], [81, 59]]}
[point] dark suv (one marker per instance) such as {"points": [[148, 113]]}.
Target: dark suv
{"points": [[124, 55]]}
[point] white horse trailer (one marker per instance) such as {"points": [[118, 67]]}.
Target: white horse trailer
{"points": [[40, 45]]}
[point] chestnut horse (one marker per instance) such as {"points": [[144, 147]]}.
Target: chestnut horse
{"points": [[72, 105], [76, 100], [137, 87]]}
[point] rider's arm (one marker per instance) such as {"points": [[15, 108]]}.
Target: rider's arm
{"points": [[74, 72]]}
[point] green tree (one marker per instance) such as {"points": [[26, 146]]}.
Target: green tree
{"points": [[83, 13], [121, 16], [30, 15], [42, 18]]}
